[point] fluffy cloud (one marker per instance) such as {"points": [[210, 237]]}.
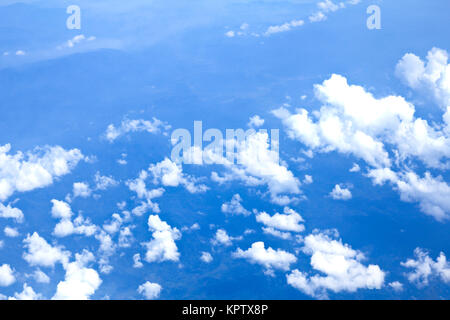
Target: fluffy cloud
{"points": [[255, 121], [206, 257], [139, 186], [7, 277], [289, 221], [9, 212], [41, 253], [81, 189], [61, 210], [426, 268], [353, 121], [234, 206], [341, 265], [139, 125], [340, 193], [162, 247], [432, 76], [269, 258], [258, 164], [222, 238], [433, 194], [170, 174], [80, 282], [37, 169], [27, 294], [11, 232], [40, 276], [150, 290]]}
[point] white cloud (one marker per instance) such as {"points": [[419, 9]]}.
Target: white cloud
{"points": [[162, 247], [222, 238], [230, 34], [257, 164], [255, 121], [396, 286], [206, 257], [37, 169], [330, 6], [139, 125], [340, 193], [341, 265], [234, 206], [277, 233], [27, 294], [76, 40], [317, 17], [81, 189], [20, 53], [41, 253], [284, 27], [170, 174], [426, 268], [40, 276], [80, 282], [7, 277], [9, 212], [138, 185], [104, 182], [61, 210], [137, 263], [432, 76], [432, 193], [150, 290], [289, 221], [355, 168], [11, 232], [308, 179], [269, 258]]}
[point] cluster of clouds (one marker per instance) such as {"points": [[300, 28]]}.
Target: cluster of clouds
{"points": [[425, 268], [323, 9], [341, 268], [258, 164], [35, 169], [135, 125], [384, 132]]}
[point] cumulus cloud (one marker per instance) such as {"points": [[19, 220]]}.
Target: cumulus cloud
{"points": [[61, 210], [137, 263], [139, 186], [341, 265], [150, 290], [432, 193], [35, 169], [26, 294], [432, 76], [206, 257], [257, 164], [41, 253], [40, 276], [81, 189], [340, 193], [290, 221], [235, 207], [255, 121], [425, 268], [170, 174], [138, 125], [222, 238], [80, 282], [353, 121], [269, 258], [9, 212], [11, 232], [162, 247], [7, 277]]}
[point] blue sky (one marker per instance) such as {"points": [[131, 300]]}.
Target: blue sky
{"points": [[92, 206]]}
